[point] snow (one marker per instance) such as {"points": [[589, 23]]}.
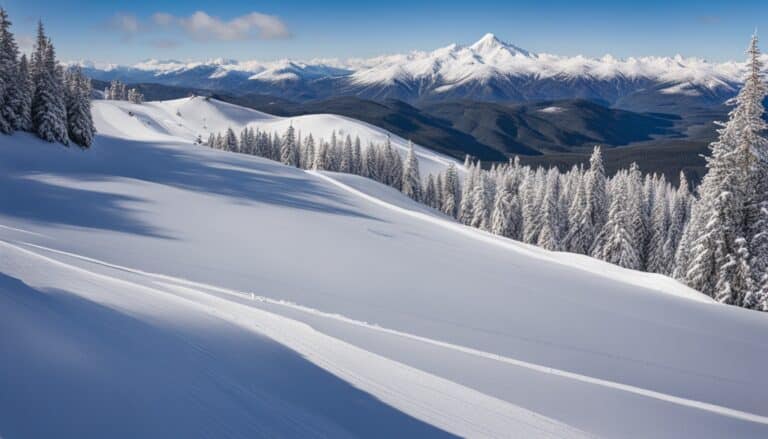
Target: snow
{"points": [[206, 292], [685, 88], [454, 65], [552, 110], [188, 118]]}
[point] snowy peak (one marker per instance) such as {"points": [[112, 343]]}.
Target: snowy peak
{"points": [[490, 69], [490, 44]]}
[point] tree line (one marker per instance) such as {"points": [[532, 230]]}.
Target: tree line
{"points": [[716, 242], [119, 91], [38, 95]]}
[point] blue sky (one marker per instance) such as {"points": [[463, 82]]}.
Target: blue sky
{"points": [[127, 32]]}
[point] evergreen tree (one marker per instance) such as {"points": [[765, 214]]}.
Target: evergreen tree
{"points": [[80, 126], [615, 243], [481, 209], [411, 185], [430, 192], [506, 219], [451, 191], [49, 117], [288, 147], [24, 109], [11, 98], [551, 223], [659, 257], [731, 195], [357, 158]]}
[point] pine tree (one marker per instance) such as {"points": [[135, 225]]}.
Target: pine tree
{"points": [[615, 243], [731, 194], [506, 219], [11, 98], [24, 109], [288, 147], [450, 191], [357, 158], [481, 209], [430, 192], [80, 126], [48, 108], [659, 257], [346, 156], [551, 223], [411, 184]]}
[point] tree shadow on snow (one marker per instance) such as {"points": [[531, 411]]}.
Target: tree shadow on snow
{"points": [[184, 166], [81, 369]]}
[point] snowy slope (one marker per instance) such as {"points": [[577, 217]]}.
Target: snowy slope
{"points": [[175, 257], [189, 118]]}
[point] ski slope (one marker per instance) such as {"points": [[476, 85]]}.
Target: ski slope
{"points": [[188, 118], [211, 293]]}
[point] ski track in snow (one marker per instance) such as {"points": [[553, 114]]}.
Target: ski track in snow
{"points": [[184, 284], [437, 401]]}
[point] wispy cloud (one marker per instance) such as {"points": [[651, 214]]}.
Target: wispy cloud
{"points": [[199, 26], [204, 27], [126, 23]]}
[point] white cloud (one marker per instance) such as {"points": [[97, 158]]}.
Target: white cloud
{"points": [[126, 23], [202, 26], [162, 18]]}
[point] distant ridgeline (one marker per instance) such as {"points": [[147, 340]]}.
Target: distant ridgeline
{"points": [[39, 95], [716, 243]]}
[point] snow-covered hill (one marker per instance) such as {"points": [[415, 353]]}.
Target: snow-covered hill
{"points": [[152, 287], [189, 118], [489, 69]]}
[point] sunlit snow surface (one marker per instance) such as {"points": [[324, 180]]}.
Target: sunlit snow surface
{"points": [[152, 287]]}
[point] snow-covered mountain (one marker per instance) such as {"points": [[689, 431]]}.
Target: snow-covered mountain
{"points": [[489, 69], [156, 288]]}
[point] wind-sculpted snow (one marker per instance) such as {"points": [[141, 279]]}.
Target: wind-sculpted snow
{"points": [[200, 231]]}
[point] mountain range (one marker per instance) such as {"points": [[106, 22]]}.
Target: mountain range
{"points": [[488, 70]]}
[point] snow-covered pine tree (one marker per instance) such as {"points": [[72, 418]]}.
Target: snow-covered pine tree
{"points": [[551, 223], [637, 211], [11, 99], [49, 115], [135, 96], [357, 157], [24, 110], [80, 126], [430, 192], [309, 152], [756, 203], [506, 218], [230, 140], [288, 147], [321, 155], [394, 163], [411, 184], [345, 164], [615, 243], [732, 193], [658, 259], [481, 208], [451, 191]]}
